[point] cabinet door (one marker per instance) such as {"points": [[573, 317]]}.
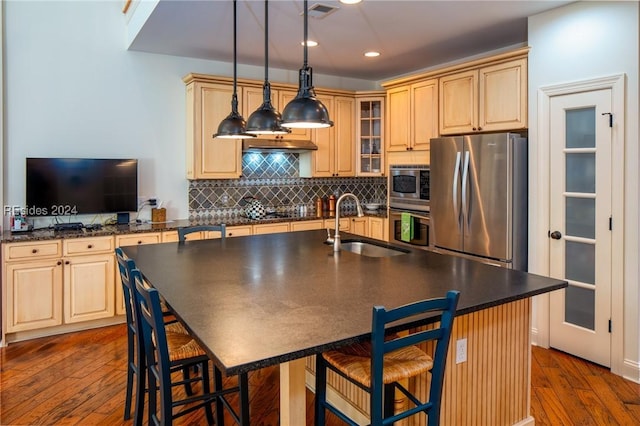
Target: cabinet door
{"points": [[208, 158], [34, 294], [424, 113], [89, 288], [271, 228], [284, 97], [344, 225], [398, 118], [459, 103], [359, 226], [239, 231], [503, 96], [369, 136], [378, 228], [323, 160], [345, 133], [307, 225]]}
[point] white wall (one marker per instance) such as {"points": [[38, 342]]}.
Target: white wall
{"points": [[582, 41], [72, 90]]}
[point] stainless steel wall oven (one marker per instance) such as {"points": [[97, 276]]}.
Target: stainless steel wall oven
{"points": [[421, 238]]}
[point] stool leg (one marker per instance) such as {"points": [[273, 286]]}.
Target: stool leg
{"points": [[321, 391], [243, 383], [206, 389], [217, 386]]}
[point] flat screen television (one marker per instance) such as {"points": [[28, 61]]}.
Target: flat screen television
{"points": [[70, 186]]}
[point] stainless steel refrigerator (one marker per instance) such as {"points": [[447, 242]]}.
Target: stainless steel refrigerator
{"points": [[479, 197]]}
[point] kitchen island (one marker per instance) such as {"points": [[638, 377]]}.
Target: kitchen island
{"points": [[277, 299]]}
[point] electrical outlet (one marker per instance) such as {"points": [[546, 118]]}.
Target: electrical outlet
{"points": [[461, 351]]}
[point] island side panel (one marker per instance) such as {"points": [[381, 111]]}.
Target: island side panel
{"points": [[491, 387]]}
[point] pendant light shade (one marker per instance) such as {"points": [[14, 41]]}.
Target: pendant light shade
{"points": [[234, 126], [305, 110], [266, 119]]}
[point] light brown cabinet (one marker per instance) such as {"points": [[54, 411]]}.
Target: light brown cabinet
{"points": [[489, 98], [208, 157], [306, 225], [270, 228], [412, 116], [239, 231], [58, 282], [359, 226], [336, 149], [370, 136], [378, 228], [33, 283]]}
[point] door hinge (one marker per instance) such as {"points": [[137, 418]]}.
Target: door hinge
{"points": [[610, 118], [609, 325], [610, 223]]}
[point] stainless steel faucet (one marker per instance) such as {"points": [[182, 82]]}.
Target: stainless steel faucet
{"points": [[336, 237]]}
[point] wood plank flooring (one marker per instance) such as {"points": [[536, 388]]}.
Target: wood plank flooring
{"points": [[79, 379]]}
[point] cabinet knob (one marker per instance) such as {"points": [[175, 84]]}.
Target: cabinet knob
{"points": [[66, 262], [90, 246], [474, 129], [59, 263], [479, 128], [34, 251], [139, 242]]}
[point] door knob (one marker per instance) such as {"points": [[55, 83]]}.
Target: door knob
{"points": [[556, 235]]}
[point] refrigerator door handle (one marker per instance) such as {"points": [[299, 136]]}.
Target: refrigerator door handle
{"points": [[454, 188], [465, 181]]}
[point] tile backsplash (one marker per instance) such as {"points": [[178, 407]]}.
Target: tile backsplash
{"points": [[274, 179]]}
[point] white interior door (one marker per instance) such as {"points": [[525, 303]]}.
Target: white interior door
{"points": [[580, 224]]}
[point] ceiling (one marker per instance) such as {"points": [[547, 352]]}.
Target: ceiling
{"points": [[410, 35]]}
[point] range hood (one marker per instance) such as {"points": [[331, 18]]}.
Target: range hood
{"points": [[277, 145]]}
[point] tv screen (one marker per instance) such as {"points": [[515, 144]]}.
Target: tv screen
{"points": [[70, 186]]}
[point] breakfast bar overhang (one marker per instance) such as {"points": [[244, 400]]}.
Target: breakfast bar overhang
{"points": [[273, 299]]}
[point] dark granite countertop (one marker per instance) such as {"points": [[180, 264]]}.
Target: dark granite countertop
{"points": [[265, 299], [50, 234]]}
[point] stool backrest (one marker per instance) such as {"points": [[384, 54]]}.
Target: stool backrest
{"points": [[445, 307], [185, 230]]}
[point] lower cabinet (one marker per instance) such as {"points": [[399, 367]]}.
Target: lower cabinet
{"points": [[89, 283], [270, 228], [359, 226], [239, 231], [33, 294], [58, 282], [307, 225], [378, 228]]}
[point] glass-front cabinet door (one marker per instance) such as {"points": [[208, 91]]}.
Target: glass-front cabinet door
{"points": [[370, 144]]}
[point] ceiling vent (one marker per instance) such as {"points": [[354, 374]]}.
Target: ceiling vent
{"points": [[320, 11]]}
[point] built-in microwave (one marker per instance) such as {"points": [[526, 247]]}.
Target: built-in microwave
{"points": [[409, 187]]}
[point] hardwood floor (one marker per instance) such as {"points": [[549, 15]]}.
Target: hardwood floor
{"points": [[79, 379]]}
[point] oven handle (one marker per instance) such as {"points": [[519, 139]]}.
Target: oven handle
{"points": [[465, 181], [454, 189]]}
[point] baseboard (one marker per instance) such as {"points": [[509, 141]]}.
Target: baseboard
{"points": [[529, 421], [631, 370]]}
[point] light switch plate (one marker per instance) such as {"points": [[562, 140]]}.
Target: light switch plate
{"points": [[461, 351]]}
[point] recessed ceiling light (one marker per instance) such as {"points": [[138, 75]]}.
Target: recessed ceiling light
{"points": [[350, 1], [310, 43], [371, 54]]}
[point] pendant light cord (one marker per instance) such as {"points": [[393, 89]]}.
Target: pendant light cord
{"points": [[306, 37], [266, 42], [235, 63]]}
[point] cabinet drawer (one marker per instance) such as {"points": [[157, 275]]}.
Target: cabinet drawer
{"points": [[88, 246], [20, 251], [136, 239]]}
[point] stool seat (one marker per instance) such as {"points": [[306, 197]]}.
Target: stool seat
{"points": [[355, 362]]}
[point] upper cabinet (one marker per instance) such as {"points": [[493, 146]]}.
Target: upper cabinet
{"points": [[336, 149], [369, 140], [252, 98], [412, 116], [208, 158], [485, 99]]}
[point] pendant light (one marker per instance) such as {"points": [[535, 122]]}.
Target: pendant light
{"points": [[233, 127], [266, 120], [305, 111]]}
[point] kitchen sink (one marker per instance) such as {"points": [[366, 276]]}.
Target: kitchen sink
{"points": [[371, 250]]}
